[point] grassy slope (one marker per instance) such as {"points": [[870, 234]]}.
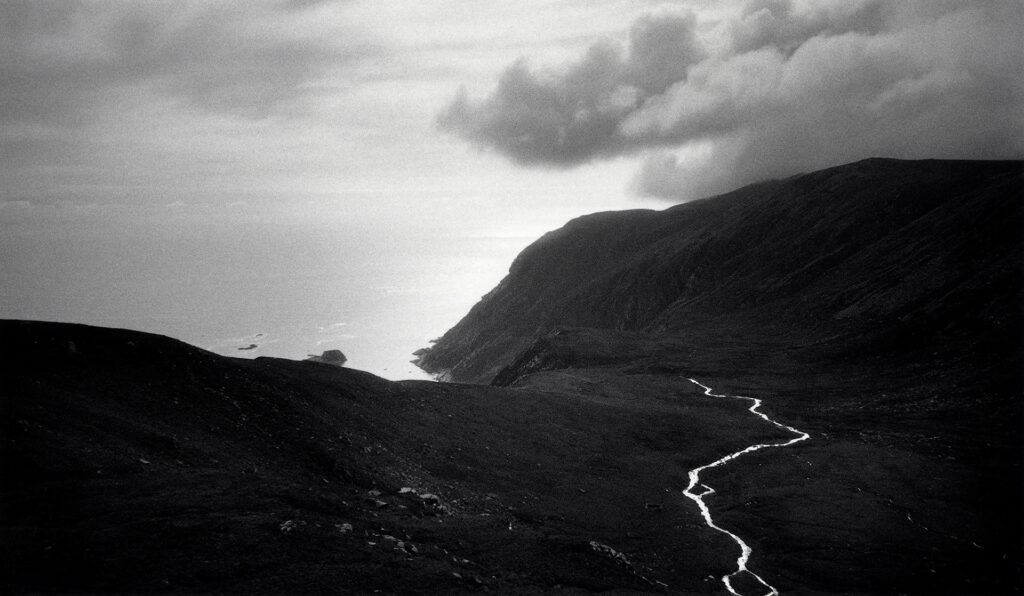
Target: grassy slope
{"points": [[133, 462], [875, 305], [877, 245], [910, 483]]}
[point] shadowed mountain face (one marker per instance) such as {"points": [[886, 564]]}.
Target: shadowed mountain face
{"points": [[874, 307], [888, 254]]}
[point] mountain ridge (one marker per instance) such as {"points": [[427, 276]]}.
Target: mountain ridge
{"points": [[661, 271], [875, 305]]}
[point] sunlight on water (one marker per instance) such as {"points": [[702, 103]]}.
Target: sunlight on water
{"points": [[251, 287]]}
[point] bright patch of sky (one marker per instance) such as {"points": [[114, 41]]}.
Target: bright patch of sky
{"points": [[315, 107]]}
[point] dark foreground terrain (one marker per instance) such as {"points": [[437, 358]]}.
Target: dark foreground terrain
{"points": [[874, 306], [134, 462]]}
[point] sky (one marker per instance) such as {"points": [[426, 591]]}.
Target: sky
{"points": [[399, 107], [316, 107], [463, 118]]}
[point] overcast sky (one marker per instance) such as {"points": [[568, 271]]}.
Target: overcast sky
{"points": [[507, 115]]}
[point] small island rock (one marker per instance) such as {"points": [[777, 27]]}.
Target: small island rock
{"points": [[333, 357]]}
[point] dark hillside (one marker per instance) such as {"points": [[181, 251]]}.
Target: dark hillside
{"points": [[875, 245], [875, 306], [136, 463]]}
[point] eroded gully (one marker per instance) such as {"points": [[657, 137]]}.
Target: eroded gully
{"points": [[705, 490]]}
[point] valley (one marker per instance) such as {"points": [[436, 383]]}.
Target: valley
{"points": [[870, 311]]}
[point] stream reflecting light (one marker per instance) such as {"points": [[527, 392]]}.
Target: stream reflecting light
{"points": [[705, 490]]}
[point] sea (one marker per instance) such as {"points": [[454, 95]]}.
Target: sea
{"points": [[250, 284]]}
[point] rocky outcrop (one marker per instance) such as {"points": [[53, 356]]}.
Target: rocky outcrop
{"points": [[332, 357]]}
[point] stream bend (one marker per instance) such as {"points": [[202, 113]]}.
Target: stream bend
{"points": [[696, 491]]}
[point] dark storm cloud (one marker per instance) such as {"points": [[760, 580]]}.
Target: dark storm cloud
{"points": [[569, 116], [778, 23], [795, 86], [58, 58]]}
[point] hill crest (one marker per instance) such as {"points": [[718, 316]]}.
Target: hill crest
{"points": [[875, 244]]}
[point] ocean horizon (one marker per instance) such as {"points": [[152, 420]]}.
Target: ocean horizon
{"points": [[248, 285]]}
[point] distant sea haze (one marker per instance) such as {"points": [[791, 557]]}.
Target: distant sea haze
{"points": [[251, 287]]}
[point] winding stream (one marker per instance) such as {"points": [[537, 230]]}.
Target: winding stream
{"points": [[705, 490]]}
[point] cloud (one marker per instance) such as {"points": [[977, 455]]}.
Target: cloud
{"points": [[775, 88], [58, 59], [158, 101], [569, 116], [786, 25]]}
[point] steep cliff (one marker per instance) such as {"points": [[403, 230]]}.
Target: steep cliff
{"points": [[880, 252]]}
